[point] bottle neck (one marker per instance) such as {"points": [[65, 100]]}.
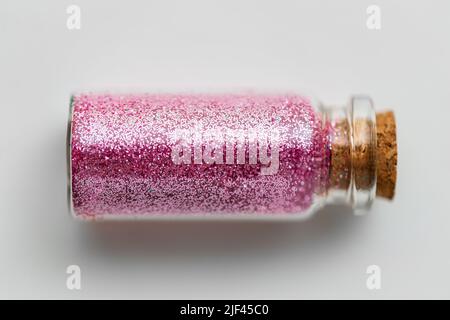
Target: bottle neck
{"points": [[353, 146]]}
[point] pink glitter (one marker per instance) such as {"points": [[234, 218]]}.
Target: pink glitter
{"points": [[134, 155]]}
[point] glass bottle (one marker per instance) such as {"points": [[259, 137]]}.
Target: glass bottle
{"points": [[225, 155]]}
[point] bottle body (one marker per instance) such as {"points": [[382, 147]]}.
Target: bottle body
{"points": [[229, 155]]}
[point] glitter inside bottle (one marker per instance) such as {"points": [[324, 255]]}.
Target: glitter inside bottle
{"points": [[224, 155]]}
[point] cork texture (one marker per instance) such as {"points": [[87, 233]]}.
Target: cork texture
{"points": [[386, 155], [366, 161], [341, 157]]}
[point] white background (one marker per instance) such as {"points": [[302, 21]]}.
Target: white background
{"points": [[321, 46]]}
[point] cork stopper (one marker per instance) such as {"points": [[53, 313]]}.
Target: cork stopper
{"points": [[355, 155], [386, 155]]}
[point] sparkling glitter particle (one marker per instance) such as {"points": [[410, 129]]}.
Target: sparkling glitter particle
{"points": [[122, 164]]}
